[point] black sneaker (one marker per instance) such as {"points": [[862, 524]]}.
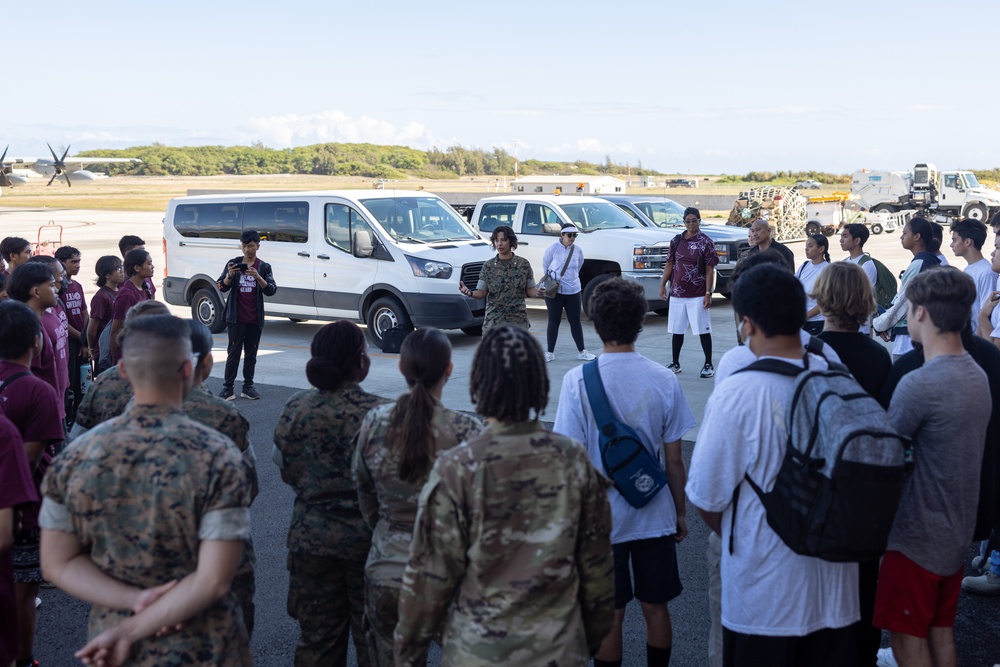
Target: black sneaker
{"points": [[708, 371], [251, 393], [227, 394], [676, 368]]}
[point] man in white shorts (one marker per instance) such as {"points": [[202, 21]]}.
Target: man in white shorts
{"points": [[690, 269]]}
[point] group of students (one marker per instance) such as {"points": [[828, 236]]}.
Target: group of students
{"points": [[503, 541]]}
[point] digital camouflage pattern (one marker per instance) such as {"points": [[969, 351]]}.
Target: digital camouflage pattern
{"points": [[389, 506], [316, 436], [155, 467], [201, 406], [511, 555], [106, 399], [505, 281]]}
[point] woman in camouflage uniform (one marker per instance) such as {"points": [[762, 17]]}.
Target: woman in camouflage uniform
{"points": [[328, 540], [511, 552], [397, 445], [504, 282]]}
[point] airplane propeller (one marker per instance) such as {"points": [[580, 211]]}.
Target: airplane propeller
{"points": [[4, 181], [60, 165]]}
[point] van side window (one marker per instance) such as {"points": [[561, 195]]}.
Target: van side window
{"points": [[281, 221], [209, 221], [341, 223], [496, 215]]}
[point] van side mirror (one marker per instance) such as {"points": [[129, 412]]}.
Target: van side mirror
{"points": [[362, 245]]}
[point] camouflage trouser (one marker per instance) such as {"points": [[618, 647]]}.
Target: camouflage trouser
{"points": [[326, 596], [381, 615], [244, 588]]}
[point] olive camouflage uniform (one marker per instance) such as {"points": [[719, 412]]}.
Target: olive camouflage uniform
{"points": [[201, 406], [505, 281], [107, 397], [153, 466], [511, 555], [328, 540], [389, 506]]}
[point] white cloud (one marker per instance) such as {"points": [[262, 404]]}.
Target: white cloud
{"points": [[334, 126]]}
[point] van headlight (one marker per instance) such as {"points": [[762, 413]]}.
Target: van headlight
{"points": [[427, 268]]}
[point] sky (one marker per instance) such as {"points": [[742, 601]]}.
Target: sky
{"points": [[680, 87]]}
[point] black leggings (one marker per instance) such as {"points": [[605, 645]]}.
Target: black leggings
{"points": [[571, 302]]}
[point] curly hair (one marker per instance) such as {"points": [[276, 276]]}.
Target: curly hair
{"points": [[618, 309], [507, 232], [508, 378]]}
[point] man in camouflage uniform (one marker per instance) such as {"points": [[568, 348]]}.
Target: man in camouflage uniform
{"points": [[389, 505], [146, 516], [512, 544], [328, 541]]}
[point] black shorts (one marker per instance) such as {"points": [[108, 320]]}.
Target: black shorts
{"points": [[654, 563]]}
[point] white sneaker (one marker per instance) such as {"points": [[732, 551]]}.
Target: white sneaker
{"points": [[550, 356], [38, 602], [586, 356], [885, 658], [984, 584]]}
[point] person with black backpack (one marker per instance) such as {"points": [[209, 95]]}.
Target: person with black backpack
{"points": [[921, 573], [744, 435], [648, 515]]}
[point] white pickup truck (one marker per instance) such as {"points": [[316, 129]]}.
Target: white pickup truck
{"points": [[613, 243]]}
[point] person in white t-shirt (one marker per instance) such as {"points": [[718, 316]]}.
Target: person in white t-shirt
{"points": [[967, 239], [778, 608], [852, 241], [656, 408], [989, 315], [817, 258]]}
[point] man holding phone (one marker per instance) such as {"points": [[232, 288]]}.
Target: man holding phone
{"points": [[244, 312]]}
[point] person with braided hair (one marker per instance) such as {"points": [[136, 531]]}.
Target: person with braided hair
{"points": [[510, 561], [328, 541], [397, 445]]}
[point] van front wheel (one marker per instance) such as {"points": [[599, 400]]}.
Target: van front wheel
{"points": [[384, 314], [207, 309]]}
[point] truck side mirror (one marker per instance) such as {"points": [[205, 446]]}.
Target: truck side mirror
{"points": [[362, 245]]}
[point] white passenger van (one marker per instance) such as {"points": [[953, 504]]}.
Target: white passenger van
{"points": [[383, 257]]}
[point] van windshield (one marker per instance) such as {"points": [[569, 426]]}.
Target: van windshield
{"points": [[604, 215], [419, 219]]}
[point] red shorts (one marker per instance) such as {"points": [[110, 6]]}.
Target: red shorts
{"points": [[911, 600]]}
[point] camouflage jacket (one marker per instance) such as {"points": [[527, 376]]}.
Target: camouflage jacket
{"points": [[511, 554], [140, 492], [505, 281], [316, 436], [388, 504], [107, 397]]}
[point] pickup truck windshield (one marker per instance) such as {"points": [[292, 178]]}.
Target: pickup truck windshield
{"points": [[592, 216], [419, 219], [663, 213]]}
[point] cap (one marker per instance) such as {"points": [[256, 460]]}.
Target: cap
{"points": [[569, 229]]}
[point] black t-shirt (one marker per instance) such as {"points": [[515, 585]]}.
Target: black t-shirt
{"points": [[868, 362], [779, 248], [987, 356]]}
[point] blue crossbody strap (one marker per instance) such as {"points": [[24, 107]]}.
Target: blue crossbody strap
{"points": [[599, 405]]}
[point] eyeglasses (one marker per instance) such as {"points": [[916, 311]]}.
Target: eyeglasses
{"points": [[687, 220]]}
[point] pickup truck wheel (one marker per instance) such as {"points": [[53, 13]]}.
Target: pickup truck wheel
{"points": [[384, 314], [207, 309], [977, 212], [812, 227], [662, 312], [877, 228], [588, 290], [473, 331]]}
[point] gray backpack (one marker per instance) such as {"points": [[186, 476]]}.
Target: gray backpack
{"points": [[839, 485]]}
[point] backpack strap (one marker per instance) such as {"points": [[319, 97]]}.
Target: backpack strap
{"points": [[864, 259], [566, 263], [12, 379], [599, 405]]}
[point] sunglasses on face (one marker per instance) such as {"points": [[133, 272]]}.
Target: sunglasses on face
{"points": [[572, 236]]}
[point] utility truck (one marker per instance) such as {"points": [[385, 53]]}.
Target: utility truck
{"points": [[944, 194]]}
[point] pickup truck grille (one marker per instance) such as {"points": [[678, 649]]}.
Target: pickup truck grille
{"points": [[649, 258], [470, 274]]}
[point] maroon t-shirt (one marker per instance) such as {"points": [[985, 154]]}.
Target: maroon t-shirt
{"points": [[246, 306], [16, 489], [689, 257], [52, 365], [75, 302], [128, 295], [35, 410], [102, 306]]}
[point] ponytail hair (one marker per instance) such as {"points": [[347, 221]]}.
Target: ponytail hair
{"points": [[337, 350], [423, 360], [922, 227], [823, 243]]}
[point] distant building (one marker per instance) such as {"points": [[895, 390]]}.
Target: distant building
{"points": [[566, 185]]}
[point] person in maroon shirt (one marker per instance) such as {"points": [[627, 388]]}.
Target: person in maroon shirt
{"points": [[32, 406], [138, 269], [15, 252], [127, 244], [245, 312], [75, 302], [109, 276]]}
